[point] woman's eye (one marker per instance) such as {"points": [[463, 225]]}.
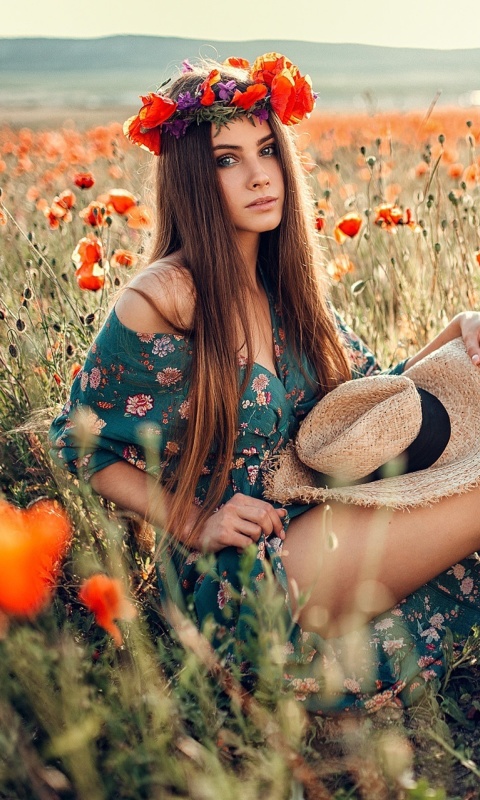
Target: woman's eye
{"points": [[225, 161], [269, 150]]}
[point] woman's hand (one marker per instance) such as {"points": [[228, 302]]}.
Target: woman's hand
{"points": [[240, 522], [469, 322]]}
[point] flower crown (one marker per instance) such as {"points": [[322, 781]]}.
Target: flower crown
{"points": [[277, 86]]}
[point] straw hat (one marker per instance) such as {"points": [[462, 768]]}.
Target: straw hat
{"points": [[365, 423]]}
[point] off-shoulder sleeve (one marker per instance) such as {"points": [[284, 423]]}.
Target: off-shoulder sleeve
{"points": [[363, 361], [128, 402]]}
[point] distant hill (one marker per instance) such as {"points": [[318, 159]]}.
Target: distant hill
{"points": [[114, 70]]}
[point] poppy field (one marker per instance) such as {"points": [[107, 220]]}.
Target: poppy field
{"points": [[103, 694]]}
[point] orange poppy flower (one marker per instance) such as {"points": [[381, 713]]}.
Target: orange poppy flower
{"points": [[208, 95], [477, 257], [143, 129], [143, 137], [66, 199], [388, 214], [3, 217], [89, 250], [121, 200], [123, 258], [139, 217], [339, 266], [292, 97], [91, 277], [347, 226], [84, 180], [104, 597], [266, 67], [94, 214], [32, 542], [240, 63], [249, 97]]}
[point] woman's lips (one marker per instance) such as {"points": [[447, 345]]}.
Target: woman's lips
{"points": [[263, 203]]}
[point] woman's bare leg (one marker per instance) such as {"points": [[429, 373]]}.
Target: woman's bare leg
{"points": [[352, 563]]}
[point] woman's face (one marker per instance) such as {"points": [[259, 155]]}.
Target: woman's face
{"points": [[250, 175]]}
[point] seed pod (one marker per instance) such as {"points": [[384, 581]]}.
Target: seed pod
{"points": [[13, 350]]}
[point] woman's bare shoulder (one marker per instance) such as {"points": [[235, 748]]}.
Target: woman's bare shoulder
{"points": [[159, 299]]}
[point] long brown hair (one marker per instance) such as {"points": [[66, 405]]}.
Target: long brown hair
{"points": [[192, 217]]}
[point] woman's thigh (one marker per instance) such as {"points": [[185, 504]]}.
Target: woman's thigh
{"points": [[346, 564]]}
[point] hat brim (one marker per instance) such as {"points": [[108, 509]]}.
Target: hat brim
{"points": [[449, 374]]}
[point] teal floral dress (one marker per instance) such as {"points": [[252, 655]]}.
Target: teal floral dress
{"points": [[130, 402]]}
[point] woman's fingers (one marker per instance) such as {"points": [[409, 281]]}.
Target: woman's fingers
{"points": [[241, 521]]}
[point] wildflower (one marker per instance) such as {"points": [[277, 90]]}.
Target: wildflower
{"points": [[139, 217], [89, 250], [84, 180], [143, 128], [455, 171], [94, 214], [121, 200], [207, 95], [123, 258], [249, 97], [104, 597], [91, 276], [347, 226], [339, 266], [238, 63], [389, 216], [292, 98], [32, 542], [3, 217], [319, 222]]}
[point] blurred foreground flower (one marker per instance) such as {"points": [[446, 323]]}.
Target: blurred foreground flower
{"points": [[104, 597], [139, 217], [32, 542], [347, 227], [339, 266]]}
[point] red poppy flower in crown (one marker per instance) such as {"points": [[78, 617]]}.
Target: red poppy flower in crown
{"points": [[277, 86]]}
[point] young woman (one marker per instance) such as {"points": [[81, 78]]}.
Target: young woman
{"points": [[203, 371]]}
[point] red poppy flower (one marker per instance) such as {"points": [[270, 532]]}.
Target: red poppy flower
{"points": [[347, 226], [32, 542], [104, 597], [292, 96], [94, 214], [239, 63], [89, 250], [147, 139], [123, 258], [388, 215], [91, 277], [266, 67], [143, 129], [319, 222], [121, 200], [84, 180], [205, 88], [249, 97]]}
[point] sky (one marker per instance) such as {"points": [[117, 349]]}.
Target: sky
{"points": [[443, 24]]}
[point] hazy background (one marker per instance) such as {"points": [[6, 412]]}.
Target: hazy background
{"points": [[57, 59]]}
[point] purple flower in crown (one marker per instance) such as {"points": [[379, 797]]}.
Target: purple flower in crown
{"points": [[186, 66], [226, 90], [261, 114], [177, 127], [187, 101]]}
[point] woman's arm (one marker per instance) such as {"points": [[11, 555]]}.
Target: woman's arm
{"points": [[466, 325], [236, 524]]}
